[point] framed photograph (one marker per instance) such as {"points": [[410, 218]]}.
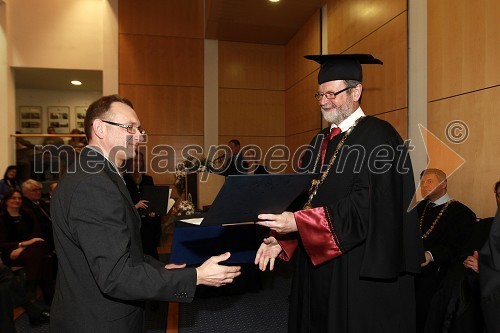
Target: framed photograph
{"points": [[80, 112], [58, 117], [30, 119]]}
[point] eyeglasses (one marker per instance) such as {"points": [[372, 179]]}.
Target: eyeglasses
{"points": [[131, 129], [330, 94]]}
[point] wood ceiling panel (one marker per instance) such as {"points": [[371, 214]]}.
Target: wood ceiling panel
{"points": [[257, 21]]}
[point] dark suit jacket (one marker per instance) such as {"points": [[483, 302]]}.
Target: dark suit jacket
{"points": [[103, 275], [42, 214]]}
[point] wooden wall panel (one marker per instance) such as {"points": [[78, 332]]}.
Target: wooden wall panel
{"points": [[349, 21], [385, 87], [302, 109], [155, 60], [472, 184], [251, 66], [161, 66], [167, 110], [463, 47], [251, 93], [162, 18], [306, 41], [303, 117], [398, 119], [251, 112], [294, 142]]}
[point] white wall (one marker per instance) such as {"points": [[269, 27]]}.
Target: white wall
{"points": [[56, 33], [59, 34]]}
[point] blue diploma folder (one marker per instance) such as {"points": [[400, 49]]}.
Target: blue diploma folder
{"points": [[195, 244]]}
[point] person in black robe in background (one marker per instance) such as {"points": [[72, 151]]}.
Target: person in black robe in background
{"points": [[357, 246], [449, 235]]}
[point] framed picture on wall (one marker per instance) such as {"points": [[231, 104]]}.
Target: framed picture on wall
{"points": [[30, 119], [58, 117], [80, 112]]}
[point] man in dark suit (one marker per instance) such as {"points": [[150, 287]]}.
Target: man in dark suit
{"points": [[235, 165], [103, 275], [32, 200]]}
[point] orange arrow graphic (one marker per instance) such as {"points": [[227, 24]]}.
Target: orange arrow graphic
{"points": [[440, 156]]}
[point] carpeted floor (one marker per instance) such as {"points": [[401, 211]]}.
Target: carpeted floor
{"points": [[156, 321], [264, 310]]}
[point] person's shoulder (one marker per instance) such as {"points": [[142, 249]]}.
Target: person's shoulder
{"points": [[379, 126], [372, 131], [463, 210]]}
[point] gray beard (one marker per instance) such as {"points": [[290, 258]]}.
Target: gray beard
{"points": [[338, 115]]}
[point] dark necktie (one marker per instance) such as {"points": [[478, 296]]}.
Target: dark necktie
{"points": [[324, 145]]}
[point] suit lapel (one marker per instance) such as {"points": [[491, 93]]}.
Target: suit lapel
{"points": [[118, 180]]}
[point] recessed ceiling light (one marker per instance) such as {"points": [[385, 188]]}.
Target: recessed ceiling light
{"points": [[76, 83], [274, 0]]}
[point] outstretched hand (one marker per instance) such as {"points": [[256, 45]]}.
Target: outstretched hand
{"points": [[210, 273], [283, 223], [267, 253]]}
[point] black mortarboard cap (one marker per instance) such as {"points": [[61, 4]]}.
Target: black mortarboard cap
{"points": [[342, 66]]}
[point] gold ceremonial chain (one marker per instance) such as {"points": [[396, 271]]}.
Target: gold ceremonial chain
{"points": [[315, 183], [435, 221]]}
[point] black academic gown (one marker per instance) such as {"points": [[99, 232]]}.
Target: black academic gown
{"points": [[358, 247], [449, 245]]}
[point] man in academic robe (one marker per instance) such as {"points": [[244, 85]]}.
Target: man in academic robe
{"points": [[446, 226], [103, 276], [356, 244]]}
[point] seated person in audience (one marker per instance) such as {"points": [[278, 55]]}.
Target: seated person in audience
{"points": [[446, 225], [32, 200], [235, 164], [53, 140], [9, 180], [254, 168], [12, 294], [136, 178], [22, 246]]}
